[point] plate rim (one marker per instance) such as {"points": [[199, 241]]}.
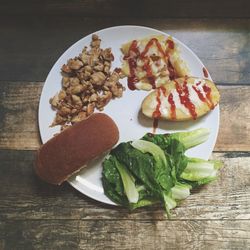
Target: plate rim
{"points": [[72, 182]]}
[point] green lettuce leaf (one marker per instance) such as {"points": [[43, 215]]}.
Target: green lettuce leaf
{"points": [[155, 169], [201, 171]]}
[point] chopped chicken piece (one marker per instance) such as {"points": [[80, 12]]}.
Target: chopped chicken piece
{"points": [[87, 84]]}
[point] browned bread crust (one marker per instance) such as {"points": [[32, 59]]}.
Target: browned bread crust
{"points": [[72, 149]]}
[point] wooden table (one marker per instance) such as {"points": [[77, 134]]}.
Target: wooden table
{"points": [[35, 215]]}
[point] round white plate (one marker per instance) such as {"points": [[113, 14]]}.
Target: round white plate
{"points": [[124, 111]]}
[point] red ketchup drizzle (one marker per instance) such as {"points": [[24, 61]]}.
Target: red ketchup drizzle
{"points": [[184, 98], [207, 90], [133, 48], [170, 44], [171, 102], [134, 54], [150, 75], [132, 78], [157, 112], [163, 90], [172, 107], [146, 66], [172, 73], [155, 125], [201, 97], [205, 73], [131, 57], [149, 44]]}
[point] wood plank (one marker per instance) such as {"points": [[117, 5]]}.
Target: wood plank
{"points": [[129, 8], [132, 235], [24, 197], [19, 128], [234, 119], [18, 115], [222, 44]]}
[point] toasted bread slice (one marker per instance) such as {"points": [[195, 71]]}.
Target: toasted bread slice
{"points": [[182, 99], [154, 59], [143, 42]]}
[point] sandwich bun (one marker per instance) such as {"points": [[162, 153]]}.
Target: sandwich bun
{"points": [[70, 151]]}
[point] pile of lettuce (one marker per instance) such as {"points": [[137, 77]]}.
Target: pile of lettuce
{"points": [[155, 169]]}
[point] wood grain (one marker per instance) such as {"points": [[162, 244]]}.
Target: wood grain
{"points": [[234, 120], [18, 114], [132, 235], [30, 44], [25, 196], [129, 8], [36, 215], [19, 107]]}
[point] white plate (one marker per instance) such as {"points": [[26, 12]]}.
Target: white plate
{"points": [[124, 111]]}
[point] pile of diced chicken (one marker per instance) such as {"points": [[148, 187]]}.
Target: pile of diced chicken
{"points": [[87, 84]]}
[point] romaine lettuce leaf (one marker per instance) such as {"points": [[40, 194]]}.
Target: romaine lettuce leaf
{"points": [[112, 182], [155, 169], [161, 168], [201, 171], [128, 183]]}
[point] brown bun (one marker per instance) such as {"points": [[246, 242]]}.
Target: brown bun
{"points": [[70, 151]]}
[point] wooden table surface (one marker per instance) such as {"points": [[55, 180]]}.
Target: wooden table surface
{"points": [[35, 215]]}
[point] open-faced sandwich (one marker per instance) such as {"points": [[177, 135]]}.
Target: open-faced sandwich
{"points": [[182, 99], [151, 62]]}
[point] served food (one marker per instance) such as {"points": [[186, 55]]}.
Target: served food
{"points": [[182, 99], [70, 151], [155, 169], [151, 62], [87, 84]]}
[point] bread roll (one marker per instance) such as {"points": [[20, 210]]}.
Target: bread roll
{"points": [[70, 151]]}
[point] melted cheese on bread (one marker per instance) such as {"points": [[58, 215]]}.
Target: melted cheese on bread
{"points": [[182, 99], [152, 61]]}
